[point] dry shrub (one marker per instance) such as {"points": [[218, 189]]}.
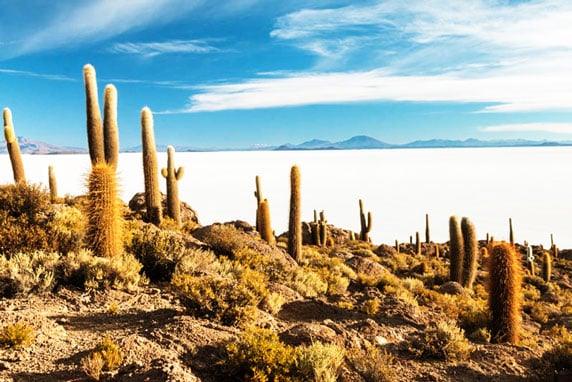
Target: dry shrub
{"points": [[66, 227], [320, 362], [371, 306], [373, 364], [559, 358], [230, 298], [258, 355], [159, 251], [29, 272], [445, 341], [307, 282], [273, 302], [84, 270], [225, 239], [18, 335], [107, 356]]}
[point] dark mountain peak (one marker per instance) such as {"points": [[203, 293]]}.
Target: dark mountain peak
{"points": [[362, 142]]}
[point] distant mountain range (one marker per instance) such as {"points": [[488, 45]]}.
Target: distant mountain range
{"points": [[360, 142]]}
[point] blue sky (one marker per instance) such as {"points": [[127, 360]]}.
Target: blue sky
{"points": [[264, 72]]}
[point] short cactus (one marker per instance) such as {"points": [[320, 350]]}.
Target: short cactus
{"points": [[52, 184], [323, 229], [172, 177], [427, 229], [13, 147], [546, 266], [264, 222], [456, 250], [505, 280], [470, 253], [365, 224], [295, 222], [150, 168]]}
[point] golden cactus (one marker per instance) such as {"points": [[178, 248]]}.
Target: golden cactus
{"points": [[150, 168], [13, 147], [172, 177], [295, 222]]}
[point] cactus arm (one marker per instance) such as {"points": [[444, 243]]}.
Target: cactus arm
{"points": [[110, 129], [94, 126]]}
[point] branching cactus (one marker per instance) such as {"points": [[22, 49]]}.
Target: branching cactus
{"points": [[173, 176], [264, 221], [13, 147], [471, 252], [295, 222], [259, 199], [52, 184], [150, 168], [456, 250], [104, 231], [505, 281], [365, 224]]}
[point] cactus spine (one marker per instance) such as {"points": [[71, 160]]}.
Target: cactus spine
{"points": [[150, 168], [505, 279], [471, 252], [427, 230], [546, 266], [264, 222], [456, 249], [104, 230], [172, 177], [52, 184], [365, 224], [13, 147], [259, 199], [295, 222]]}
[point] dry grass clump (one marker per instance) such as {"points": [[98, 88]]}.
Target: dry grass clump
{"points": [[373, 364], [445, 341], [225, 240], [258, 355], [18, 335], [107, 356]]}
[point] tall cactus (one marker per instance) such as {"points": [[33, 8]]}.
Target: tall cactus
{"points": [[365, 224], [104, 229], [471, 252], [150, 168], [52, 184], [510, 232], [13, 147], [427, 229], [264, 222], [456, 250], [323, 229], [259, 199], [295, 221], [417, 243], [173, 176], [505, 280]]}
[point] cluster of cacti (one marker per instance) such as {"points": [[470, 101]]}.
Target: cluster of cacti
{"points": [[365, 224], [295, 222], [13, 147], [53, 185], [464, 251], [104, 232], [319, 229], [150, 168], [172, 177], [505, 279]]}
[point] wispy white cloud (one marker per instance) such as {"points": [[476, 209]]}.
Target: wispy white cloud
{"points": [[559, 128], [504, 93], [92, 21], [52, 77], [151, 49], [514, 57]]}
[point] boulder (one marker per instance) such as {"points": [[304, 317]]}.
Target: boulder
{"points": [[139, 210]]}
